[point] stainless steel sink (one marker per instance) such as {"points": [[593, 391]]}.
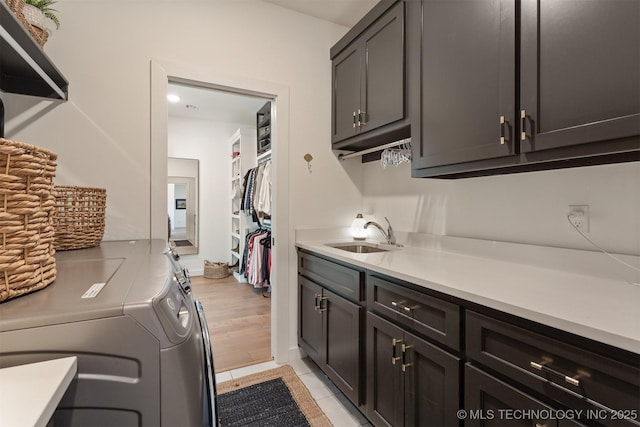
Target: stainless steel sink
{"points": [[359, 248]]}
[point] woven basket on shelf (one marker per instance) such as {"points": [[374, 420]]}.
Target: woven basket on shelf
{"points": [[39, 35], [215, 270], [78, 217], [27, 261]]}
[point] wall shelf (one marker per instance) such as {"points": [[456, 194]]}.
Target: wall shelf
{"points": [[24, 67]]}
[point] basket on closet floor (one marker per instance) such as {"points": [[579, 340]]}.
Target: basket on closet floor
{"points": [[27, 261], [78, 217], [215, 270]]}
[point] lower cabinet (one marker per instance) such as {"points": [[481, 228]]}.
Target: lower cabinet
{"points": [[330, 329], [595, 389], [402, 361], [409, 380], [490, 402]]}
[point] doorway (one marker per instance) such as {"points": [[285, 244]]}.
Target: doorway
{"points": [[216, 129], [283, 342]]}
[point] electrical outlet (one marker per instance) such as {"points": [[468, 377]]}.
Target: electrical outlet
{"points": [[579, 217]]}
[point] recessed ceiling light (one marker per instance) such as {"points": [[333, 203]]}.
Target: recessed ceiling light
{"points": [[173, 98]]}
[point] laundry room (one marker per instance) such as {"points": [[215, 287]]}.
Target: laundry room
{"points": [[452, 189]]}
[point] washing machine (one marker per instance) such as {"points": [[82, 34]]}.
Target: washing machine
{"points": [[125, 310]]}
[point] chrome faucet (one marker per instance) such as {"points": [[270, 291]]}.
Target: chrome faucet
{"points": [[391, 238]]}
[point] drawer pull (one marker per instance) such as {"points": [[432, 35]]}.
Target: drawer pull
{"points": [[401, 305], [537, 366], [575, 381]]}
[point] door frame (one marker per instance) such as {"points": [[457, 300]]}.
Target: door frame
{"points": [[161, 73]]}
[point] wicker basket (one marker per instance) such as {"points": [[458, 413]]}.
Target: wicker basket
{"points": [[27, 260], [39, 35], [215, 270], [78, 217]]}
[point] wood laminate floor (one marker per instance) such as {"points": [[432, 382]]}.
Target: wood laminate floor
{"points": [[239, 320]]}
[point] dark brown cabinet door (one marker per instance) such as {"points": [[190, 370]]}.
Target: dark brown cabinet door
{"points": [[580, 73], [310, 327], [385, 384], [343, 320], [368, 91], [383, 97], [490, 402], [462, 80], [347, 69], [432, 384], [410, 382]]}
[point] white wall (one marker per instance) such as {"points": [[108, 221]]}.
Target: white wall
{"points": [[207, 141], [102, 134], [526, 208]]}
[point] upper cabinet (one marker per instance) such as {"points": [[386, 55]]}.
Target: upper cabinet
{"points": [[24, 67], [499, 86], [368, 72], [462, 81], [580, 73]]}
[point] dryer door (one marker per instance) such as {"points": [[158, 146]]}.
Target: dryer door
{"points": [[210, 403]]}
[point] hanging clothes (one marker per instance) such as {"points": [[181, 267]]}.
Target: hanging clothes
{"points": [[256, 259], [256, 198], [264, 194]]}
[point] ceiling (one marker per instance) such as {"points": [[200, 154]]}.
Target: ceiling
{"points": [[221, 106], [342, 12], [214, 105]]}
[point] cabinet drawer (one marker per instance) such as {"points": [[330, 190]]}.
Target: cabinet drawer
{"points": [[338, 278], [425, 314], [571, 375]]}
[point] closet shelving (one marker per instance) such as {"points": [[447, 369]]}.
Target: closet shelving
{"points": [[243, 158], [263, 128]]}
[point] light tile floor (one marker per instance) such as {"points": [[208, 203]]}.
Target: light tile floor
{"points": [[335, 405]]}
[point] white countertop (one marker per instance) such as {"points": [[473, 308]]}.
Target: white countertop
{"points": [[29, 394], [581, 292]]}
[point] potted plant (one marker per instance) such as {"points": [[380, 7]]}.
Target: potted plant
{"points": [[36, 13]]}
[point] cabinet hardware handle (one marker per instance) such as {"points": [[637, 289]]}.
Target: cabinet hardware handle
{"points": [[362, 118], [405, 365], [408, 309], [399, 304], [575, 380], [537, 366], [572, 380], [523, 125], [503, 127], [394, 343], [354, 119], [320, 307]]}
